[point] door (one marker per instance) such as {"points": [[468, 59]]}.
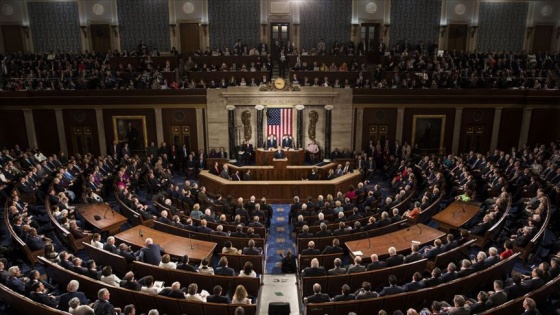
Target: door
{"points": [[542, 38], [100, 37], [457, 37], [475, 139], [82, 139], [279, 35], [369, 32], [13, 41], [190, 37]]}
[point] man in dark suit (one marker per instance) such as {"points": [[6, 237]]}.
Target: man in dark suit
{"points": [[416, 283], [102, 305], [394, 258], [393, 288], [431, 252], [375, 263], [345, 296], [482, 227], [184, 264], [459, 309], [251, 249], [223, 269], [248, 152], [451, 273], [317, 296], [217, 296], [129, 282], [337, 270], [38, 294], [110, 245], [279, 153], [434, 280], [357, 267], [314, 270], [311, 250], [14, 281], [335, 248], [150, 253], [499, 296], [365, 292], [535, 282], [271, 142], [173, 291], [287, 142], [72, 289], [414, 255], [516, 289]]}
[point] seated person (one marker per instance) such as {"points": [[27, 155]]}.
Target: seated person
{"points": [[279, 153]]}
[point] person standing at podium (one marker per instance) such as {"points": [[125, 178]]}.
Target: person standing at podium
{"points": [[271, 142], [287, 142], [279, 153]]}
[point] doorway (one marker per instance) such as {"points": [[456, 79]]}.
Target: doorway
{"points": [[457, 37], [542, 38], [370, 33], [100, 37], [279, 35], [13, 41], [190, 37]]}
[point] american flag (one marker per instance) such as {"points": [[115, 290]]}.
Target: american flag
{"points": [[279, 122]]}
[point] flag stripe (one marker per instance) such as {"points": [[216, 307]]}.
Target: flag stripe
{"points": [[279, 122]]}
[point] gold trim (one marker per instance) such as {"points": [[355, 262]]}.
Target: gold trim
{"points": [[442, 131], [144, 129]]}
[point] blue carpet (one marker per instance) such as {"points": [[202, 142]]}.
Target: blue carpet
{"points": [[279, 237]]}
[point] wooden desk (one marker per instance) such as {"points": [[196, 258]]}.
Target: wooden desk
{"points": [[110, 221], [265, 157], [281, 173], [401, 240], [455, 215], [173, 245], [277, 190]]}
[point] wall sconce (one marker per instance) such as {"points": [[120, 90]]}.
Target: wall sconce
{"points": [[172, 26], [296, 25], [387, 26], [84, 30], [443, 29], [25, 29], [473, 30], [205, 28], [530, 30], [115, 30]]}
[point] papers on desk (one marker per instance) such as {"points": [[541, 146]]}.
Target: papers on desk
{"points": [[158, 285], [415, 243], [358, 253]]}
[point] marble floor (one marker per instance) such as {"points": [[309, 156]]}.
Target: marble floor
{"points": [[279, 288]]}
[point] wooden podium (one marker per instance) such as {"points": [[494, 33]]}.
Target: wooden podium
{"points": [[265, 157], [280, 164]]}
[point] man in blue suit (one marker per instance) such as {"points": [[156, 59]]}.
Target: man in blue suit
{"points": [[287, 142], [72, 289], [151, 253], [224, 270], [271, 142]]}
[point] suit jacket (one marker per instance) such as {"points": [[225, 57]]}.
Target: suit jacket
{"points": [[66, 297], [224, 271], [496, 299], [460, 311], [514, 291], [250, 251], [342, 297], [103, 307], [394, 289], [279, 154], [271, 143], [172, 293], [151, 254], [355, 269], [318, 298], [287, 143], [310, 251], [413, 257], [332, 250], [337, 271], [432, 253], [111, 248], [367, 295], [413, 286], [395, 260], [376, 265], [314, 272], [218, 299]]}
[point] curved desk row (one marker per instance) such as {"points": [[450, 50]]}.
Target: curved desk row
{"points": [[281, 171], [277, 191]]}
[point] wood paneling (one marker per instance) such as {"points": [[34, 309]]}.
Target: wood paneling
{"points": [[379, 116], [46, 130], [12, 129], [180, 116], [544, 126], [80, 117], [449, 123], [457, 39], [100, 37], [510, 125], [190, 37], [480, 117]]}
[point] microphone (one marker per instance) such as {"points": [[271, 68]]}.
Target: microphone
{"points": [[368, 240], [190, 239], [140, 233], [105, 214], [419, 227]]}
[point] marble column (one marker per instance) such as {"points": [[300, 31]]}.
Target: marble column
{"points": [[260, 118], [159, 126], [400, 122], [299, 122], [328, 129], [496, 129], [30, 127], [101, 131], [525, 125], [60, 130], [231, 129], [456, 131]]}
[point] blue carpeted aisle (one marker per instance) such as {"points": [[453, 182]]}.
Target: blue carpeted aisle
{"points": [[279, 237]]}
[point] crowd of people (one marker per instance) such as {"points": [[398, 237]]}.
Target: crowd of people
{"points": [[528, 179], [404, 66]]}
